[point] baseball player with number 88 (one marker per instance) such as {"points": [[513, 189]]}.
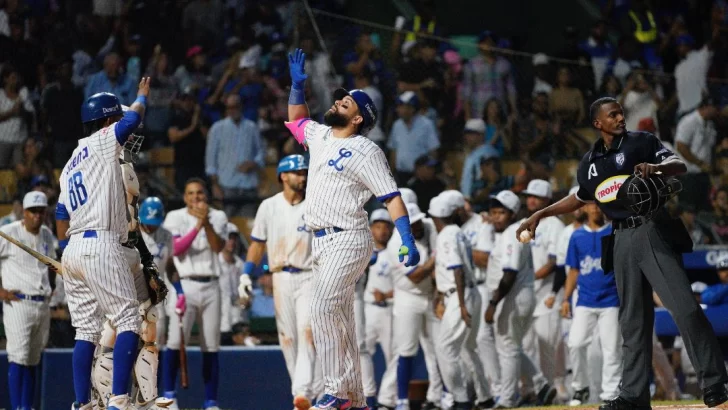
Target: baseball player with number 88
{"points": [[345, 169]]}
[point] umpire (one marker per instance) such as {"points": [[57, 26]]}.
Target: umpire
{"points": [[646, 255]]}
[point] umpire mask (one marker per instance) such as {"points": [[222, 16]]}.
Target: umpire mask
{"points": [[130, 153], [645, 196]]}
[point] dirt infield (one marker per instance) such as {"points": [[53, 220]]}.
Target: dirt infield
{"points": [[662, 405]]}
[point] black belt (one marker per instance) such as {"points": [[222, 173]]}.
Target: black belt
{"points": [[453, 290], [383, 303], [291, 269], [326, 231], [480, 282], [631, 222], [203, 279], [32, 298]]}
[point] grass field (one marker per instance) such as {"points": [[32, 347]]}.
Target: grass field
{"points": [[656, 405]]}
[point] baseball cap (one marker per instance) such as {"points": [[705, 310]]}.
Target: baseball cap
{"points": [[39, 180], [506, 199], [540, 188], [440, 207], [475, 125], [193, 51], [698, 287], [408, 97], [540, 59], [232, 228], [415, 214], [365, 104], [35, 199], [454, 198], [408, 195], [379, 215], [426, 160]]}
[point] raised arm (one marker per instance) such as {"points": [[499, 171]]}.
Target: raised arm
{"points": [[297, 108]]}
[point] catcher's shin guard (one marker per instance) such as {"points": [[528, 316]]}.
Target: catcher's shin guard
{"points": [[147, 363], [103, 369]]}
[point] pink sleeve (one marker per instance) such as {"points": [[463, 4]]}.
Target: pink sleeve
{"points": [[297, 128], [183, 243]]}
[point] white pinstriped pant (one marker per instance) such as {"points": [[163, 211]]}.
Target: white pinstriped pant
{"points": [[99, 284], [292, 298], [339, 260], [27, 324], [204, 307]]}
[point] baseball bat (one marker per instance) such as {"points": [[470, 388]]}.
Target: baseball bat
{"points": [[50, 262], [183, 355]]}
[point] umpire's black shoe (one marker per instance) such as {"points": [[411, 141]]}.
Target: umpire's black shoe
{"points": [[622, 404], [546, 395], [715, 395], [485, 404]]}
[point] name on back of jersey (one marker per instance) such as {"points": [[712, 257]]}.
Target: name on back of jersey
{"points": [[75, 161]]}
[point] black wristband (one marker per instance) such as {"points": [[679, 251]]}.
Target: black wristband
{"points": [[493, 303]]}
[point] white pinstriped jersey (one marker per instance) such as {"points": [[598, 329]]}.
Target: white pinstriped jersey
{"points": [[510, 254], [161, 246], [452, 251], [400, 281], [91, 186], [199, 260], [343, 174], [20, 271], [562, 245], [281, 226], [379, 277], [543, 246]]}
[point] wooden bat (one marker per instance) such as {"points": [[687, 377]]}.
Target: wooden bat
{"points": [[50, 262], [183, 356]]}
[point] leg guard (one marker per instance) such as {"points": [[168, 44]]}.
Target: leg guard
{"points": [[102, 371], [145, 369]]}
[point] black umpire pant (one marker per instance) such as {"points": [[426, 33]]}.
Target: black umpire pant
{"points": [[644, 260]]}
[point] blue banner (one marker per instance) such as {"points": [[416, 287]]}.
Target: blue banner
{"points": [[705, 257]]}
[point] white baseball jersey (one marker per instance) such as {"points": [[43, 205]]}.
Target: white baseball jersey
{"points": [[481, 236], [562, 244], [229, 280], [379, 277], [453, 251], [399, 271], [510, 254], [281, 226], [161, 246], [20, 271], [543, 246], [91, 186], [199, 260], [343, 174]]}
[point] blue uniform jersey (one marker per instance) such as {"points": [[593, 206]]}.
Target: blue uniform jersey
{"points": [[596, 289]]}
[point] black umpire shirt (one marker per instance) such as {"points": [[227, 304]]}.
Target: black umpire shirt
{"points": [[602, 171]]}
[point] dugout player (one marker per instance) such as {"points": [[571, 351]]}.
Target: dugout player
{"points": [[25, 290], [646, 256]]}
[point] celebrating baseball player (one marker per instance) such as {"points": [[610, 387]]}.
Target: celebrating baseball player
{"points": [[198, 232], [457, 331], [279, 227], [510, 279], [596, 310], [25, 290], [92, 223], [345, 169]]}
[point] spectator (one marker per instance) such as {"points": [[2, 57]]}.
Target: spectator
{"points": [[262, 304], [202, 21], [541, 84], [583, 74], [365, 54], [474, 139], [487, 76], [112, 80], [639, 100], [194, 72], [323, 80], [241, 336], [248, 84], [697, 232], [162, 92], [262, 17], [233, 51], [363, 81], [187, 134], [15, 105], [424, 22], [60, 109], [627, 59], [31, 166], [536, 136], [230, 268], [16, 213], [425, 182], [691, 73], [496, 129], [233, 157], [695, 139], [423, 74], [83, 63], [640, 25], [412, 136], [491, 182], [600, 50], [719, 223], [611, 86], [21, 53], [717, 294], [567, 108]]}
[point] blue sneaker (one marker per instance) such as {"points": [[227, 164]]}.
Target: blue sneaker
{"points": [[329, 402]]}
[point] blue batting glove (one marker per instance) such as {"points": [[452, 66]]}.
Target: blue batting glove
{"points": [[409, 250], [296, 65]]}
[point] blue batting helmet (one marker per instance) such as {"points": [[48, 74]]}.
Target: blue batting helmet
{"points": [[366, 107], [291, 163], [151, 211], [100, 105]]}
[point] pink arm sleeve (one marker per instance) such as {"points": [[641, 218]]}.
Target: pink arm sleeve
{"points": [[297, 128], [183, 243]]}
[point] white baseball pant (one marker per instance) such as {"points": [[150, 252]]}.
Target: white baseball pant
{"points": [[513, 318], [604, 321], [339, 260], [547, 335], [378, 329], [457, 343], [292, 299], [99, 284], [486, 344], [365, 358], [203, 307], [27, 325]]}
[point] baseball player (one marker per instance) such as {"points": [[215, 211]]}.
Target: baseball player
{"points": [[346, 168], [645, 255], [92, 212], [510, 280], [198, 232], [25, 290], [545, 344], [596, 310], [279, 228], [457, 332], [230, 267]]}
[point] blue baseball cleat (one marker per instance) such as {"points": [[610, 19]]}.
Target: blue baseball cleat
{"points": [[329, 402]]}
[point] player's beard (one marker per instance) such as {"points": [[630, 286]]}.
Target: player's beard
{"points": [[335, 120]]}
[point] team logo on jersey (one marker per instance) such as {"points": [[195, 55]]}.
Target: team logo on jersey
{"points": [[303, 228], [607, 190], [383, 271], [620, 159], [589, 265], [343, 153]]}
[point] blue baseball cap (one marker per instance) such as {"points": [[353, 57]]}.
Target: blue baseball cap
{"points": [[100, 105], [366, 107], [291, 163], [151, 211]]}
